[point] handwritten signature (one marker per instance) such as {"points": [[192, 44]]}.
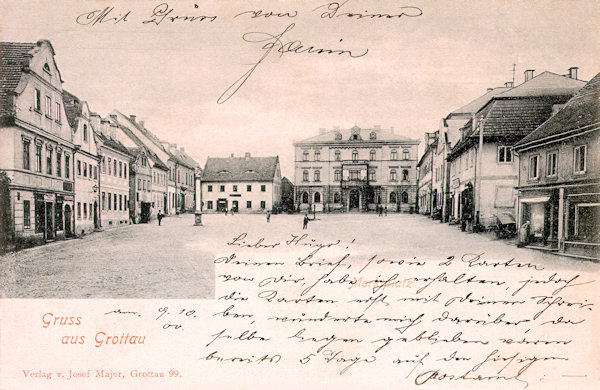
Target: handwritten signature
{"points": [[276, 42]]}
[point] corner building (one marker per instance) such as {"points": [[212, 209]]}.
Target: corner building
{"points": [[356, 170]]}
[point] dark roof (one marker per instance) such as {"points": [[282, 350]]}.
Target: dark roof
{"points": [[581, 113], [235, 169], [111, 143], [72, 106], [141, 146], [14, 57]]}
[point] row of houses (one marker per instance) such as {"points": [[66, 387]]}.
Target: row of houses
{"points": [[70, 171], [529, 152]]}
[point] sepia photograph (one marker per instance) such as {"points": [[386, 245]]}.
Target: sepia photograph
{"points": [[309, 194]]}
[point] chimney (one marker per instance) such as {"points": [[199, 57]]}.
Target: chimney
{"points": [[377, 127], [336, 127], [573, 72], [529, 74], [182, 149], [392, 129], [490, 89], [322, 131], [141, 123], [509, 84], [247, 156], [113, 117], [132, 117], [231, 155]]}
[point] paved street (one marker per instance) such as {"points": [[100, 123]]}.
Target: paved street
{"points": [[175, 260]]}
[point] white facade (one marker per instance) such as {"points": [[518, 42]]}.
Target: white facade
{"points": [[242, 196]]}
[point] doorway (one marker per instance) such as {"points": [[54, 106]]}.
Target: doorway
{"points": [[49, 233], [68, 214], [145, 212], [354, 201], [96, 215]]}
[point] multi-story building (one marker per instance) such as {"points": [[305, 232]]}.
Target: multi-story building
{"points": [[37, 150], [559, 177], [356, 170], [427, 199], [85, 158], [182, 169], [483, 169], [241, 184], [114, 174]]}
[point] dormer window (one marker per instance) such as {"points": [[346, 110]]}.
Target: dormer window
{"points": [[46, 68], [338, 136], [85, 133], [373, 135]]}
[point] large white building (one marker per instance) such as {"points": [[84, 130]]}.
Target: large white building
{"points": [[242, 184], [356, 169]]}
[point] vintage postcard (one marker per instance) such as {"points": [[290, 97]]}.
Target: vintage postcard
{"points": [[299, 194]]}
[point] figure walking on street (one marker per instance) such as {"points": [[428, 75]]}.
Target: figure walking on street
{"points": [[305, 222], [268, 216], [159, 216]]}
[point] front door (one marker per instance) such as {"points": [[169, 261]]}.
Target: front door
{"points": [[221, 205], [68, 230], [49, 222], [96, 215], [145, 212], [354, 201], [234, 206]]}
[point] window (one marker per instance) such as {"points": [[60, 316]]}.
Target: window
{"points": [[209, 188], [534, 167], [104, 201], [248, 204], [124, 202], [355, 155], [110, 166], [337, 155], [393, 175], [372, 175], [504, 154], [405, 174], [109, 201], [305, 176], [372, 155], [37, 100], [235, 188], [393, 198], [120, 169], [85, 211], [551, 159], [305, 197], [26, 155], [95, 172], [317, 155], [115, 168], [372, 135], [58, 164], [263, 204], [337, 175], [85, 169], [38, 158], [26, 214], [317, 197], [249, 188], [338, 136], [405, 197], [48, 107], [57, 114], [579, 159], [67, 166], [337, 198], [317, 175], [263, 188], [405, 154], [78, 168], [354, 175], [209, 205], [222, 188], [115, 202], [120, 202], [305, 155], [48, 161], [78, 210], [394, 154], [125, 171]]}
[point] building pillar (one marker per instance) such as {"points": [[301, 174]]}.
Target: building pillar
{"points": [[561, 217], [198, 202]]}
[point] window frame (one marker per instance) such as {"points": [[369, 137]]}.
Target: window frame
{"points": [[394, 154], [577, 156], [504, 154], [554, 173], [26, 155], [535, 157]]}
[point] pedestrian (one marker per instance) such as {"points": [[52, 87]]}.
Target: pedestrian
{"points": [[159, 216], [225, 211], [385, 211], [268, 216], [305, 222]]}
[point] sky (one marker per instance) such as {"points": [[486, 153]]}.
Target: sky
{"points": [[407, 72]]}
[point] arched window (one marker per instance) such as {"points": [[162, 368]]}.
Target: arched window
{"points": [[394, 154], [337, 175], [355, 155], [317, 175], [405, 154], [393, 198], [372, 155], [337, 198], [371, 175], [405, 174], [404, 197], [317, 155], [305, 176], [337, 155], [305, 197], [317, 197], [393, 176], [305, 155]]}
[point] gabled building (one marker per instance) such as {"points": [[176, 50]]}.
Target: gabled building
{"points": [[182, 168], [115, 161], [241, 184], [86, 160], [37, 149], [483, 170], [427, 198], [559, 177], [356, 170]]}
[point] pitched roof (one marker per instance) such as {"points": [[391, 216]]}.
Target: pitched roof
{"points": [[380, 134], [184, 159], [14, 56], [545, 84], [111, 143], [238, 169], [582, 112], [478, 103], [72, 106]]}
